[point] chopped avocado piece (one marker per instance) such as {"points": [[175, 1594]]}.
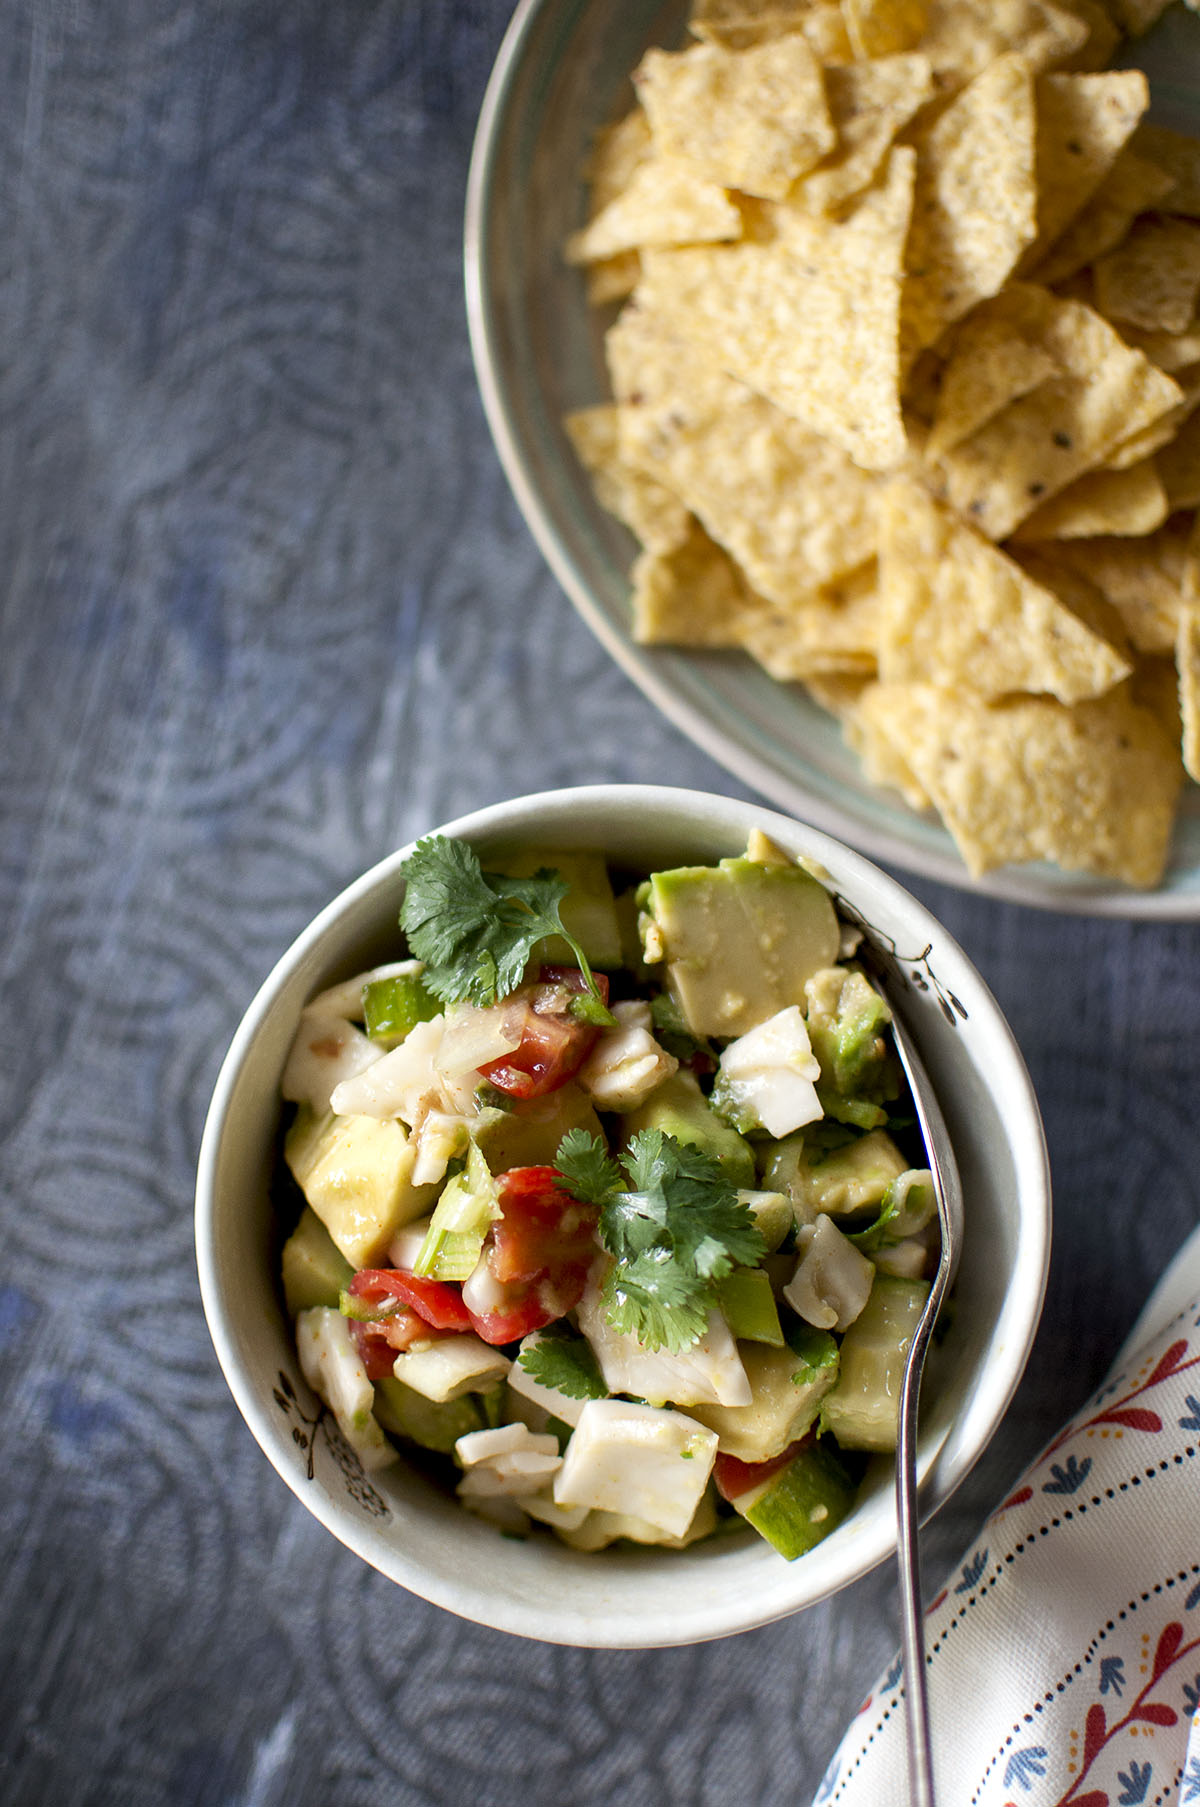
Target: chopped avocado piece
{"points": [[679, 1108], [862, 1409], [529, 1135], [740, 940], [468, 1207], [405, 1413], [772, 1214], [788, 1386], [802, 1503], [849, 1178], [847, 1025], [314, 1269], [356, 1173], [588, 911], [908, 1204], [748, 1306], [393, 1006]]}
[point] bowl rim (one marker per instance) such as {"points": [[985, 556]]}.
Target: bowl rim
{"points": [[652, 669], [695, 1621]]}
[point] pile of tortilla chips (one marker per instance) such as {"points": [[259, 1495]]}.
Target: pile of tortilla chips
{"points": [[906, 397]]}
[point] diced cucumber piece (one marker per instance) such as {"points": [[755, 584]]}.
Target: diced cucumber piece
{"points": [[862, 1410], [391, 1007], [748, 1306], [406, 1413], [800, 1504], [314, 1269]]}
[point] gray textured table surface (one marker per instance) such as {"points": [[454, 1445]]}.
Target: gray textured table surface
{"points": [[268, 611]]}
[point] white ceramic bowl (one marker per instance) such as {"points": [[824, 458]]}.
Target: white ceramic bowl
{"points": [[398, 1521], [563, 71]]}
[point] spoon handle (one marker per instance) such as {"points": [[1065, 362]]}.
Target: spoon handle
{"points": [[908, 1552]]}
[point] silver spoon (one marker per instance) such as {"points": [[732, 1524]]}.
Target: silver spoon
{"points": [[948, 1191]]}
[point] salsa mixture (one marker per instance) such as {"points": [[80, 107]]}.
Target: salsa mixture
{"points": [[613, 1198]]}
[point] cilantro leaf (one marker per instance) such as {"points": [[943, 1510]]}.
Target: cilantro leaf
{"points": [[476, 930], [565, 1362], [673, 1224], [590, 1175]]}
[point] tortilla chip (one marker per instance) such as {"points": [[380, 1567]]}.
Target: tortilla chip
{"points": [[878, 28], [1131, 186], [1127, 502], [1160, 432], [665, 203], [753, 120], [961, 612], [617, 150], [1037, 445], [868, 103], [975, 204], [793, 508], [612, 278], [1092, 787], [836, 692], [880, 751], [1083, 121], [1187, 666], [1142, 579], [1179, 465], [1138, 16], [991, 363], [1153, 279], [742, 24], [809, 317], [658, 518], [692, 595], [964, 37], [1172, 352], [1102, 39], [1179, 157], [833, 632]]}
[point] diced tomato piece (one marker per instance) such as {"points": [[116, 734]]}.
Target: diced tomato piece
{"points": [[554, 1044], [379, 1344], [572, 977], [733, 1477], [538, 1251], [541, 1228], [436, 1301], [520, 1314]]}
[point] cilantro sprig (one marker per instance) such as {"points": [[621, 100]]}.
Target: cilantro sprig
{"points": [[560, 1359], [476, 930], [673, 1224]]}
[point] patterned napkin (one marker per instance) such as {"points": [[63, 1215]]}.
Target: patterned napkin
{"points": [[1064, 1653]]}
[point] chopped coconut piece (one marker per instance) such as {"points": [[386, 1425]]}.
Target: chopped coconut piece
{"points": [[709, 1372], [637, 1459], [626, 1063], [407, 1081], [832, 1279], [327, 1052], [767, 1074], [330, 1363], [446, 1367]]}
